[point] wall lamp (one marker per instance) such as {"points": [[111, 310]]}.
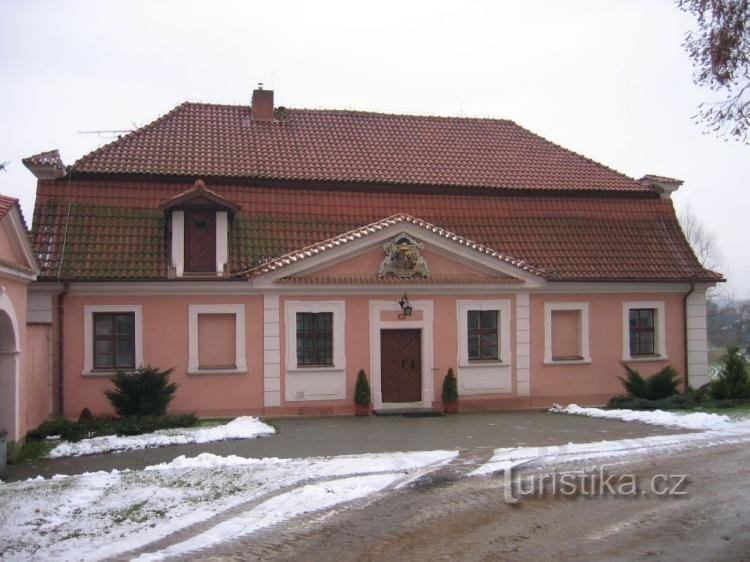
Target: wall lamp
{"points": [[406, 307]]}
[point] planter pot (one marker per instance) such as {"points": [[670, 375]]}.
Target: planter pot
{"points": [[361, 410], [450, 407]]}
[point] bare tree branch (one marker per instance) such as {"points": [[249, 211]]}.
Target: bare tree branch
{"points": [[720, 50], [703, 241]]}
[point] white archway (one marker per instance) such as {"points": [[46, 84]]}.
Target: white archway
{"points": [[9, 368]]}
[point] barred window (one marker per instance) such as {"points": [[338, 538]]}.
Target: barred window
{"points": [[315, 338], [114, 340]]}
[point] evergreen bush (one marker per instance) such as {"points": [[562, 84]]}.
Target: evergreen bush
{"points": [[146, 392], [733, 382], [450, 387], [661, 385], [362, 395]]}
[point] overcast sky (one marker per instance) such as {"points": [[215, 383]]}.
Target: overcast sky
{"points": [[608, 79]]}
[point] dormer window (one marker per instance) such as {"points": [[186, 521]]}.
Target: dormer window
{"points": [[199, 225]]}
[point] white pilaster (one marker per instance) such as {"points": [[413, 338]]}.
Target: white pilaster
{"points": [[222, 243], [523, 345], [178, 242], [271, 352], [697, 341]]}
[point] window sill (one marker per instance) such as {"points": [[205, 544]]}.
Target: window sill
{"points": [[582, 361], [644, 358], [218, 371], [483, 363], [105, 373], [315, 369]]}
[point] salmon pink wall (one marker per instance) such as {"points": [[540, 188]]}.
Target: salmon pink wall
{"points": [[600, 377], [7, 252], [165, 345], [37, 388]]}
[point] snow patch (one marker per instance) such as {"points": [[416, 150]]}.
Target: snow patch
{"points": [[245, 427], [694, 421]]}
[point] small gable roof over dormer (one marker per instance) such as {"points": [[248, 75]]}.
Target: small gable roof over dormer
{"points": [[198, 194]]}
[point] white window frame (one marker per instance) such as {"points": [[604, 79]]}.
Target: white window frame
{"points": [[240, 362], [338, 309], [502, 307], [660, 345], [584, 335], [88, 335]]}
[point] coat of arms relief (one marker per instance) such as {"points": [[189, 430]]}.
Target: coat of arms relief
{"points": [[403, 258]]}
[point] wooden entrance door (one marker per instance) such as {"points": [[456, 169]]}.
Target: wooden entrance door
{"points": [[200, 240], [401, 365]]}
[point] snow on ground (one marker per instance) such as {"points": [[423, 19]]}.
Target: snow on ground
{"points": [[696, 421], [246, 427], [99, 515], [710, 429], [280, 508]]}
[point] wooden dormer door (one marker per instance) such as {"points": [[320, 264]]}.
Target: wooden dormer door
{"points": [[200, 241]]}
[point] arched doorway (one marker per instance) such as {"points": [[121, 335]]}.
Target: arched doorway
{"points": [[9, 379]]}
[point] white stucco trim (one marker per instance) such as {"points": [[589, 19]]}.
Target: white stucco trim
{"points": [[240, 363], [178, 242], [409, 323], [327, 382], [697, 339], [584, 335], [88, 334], [484, 377], [660, 346], [13, 358], [523, 344], [271, 352], [222, 241]]}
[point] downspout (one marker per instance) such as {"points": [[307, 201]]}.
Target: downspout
{"points": [[60, 313], [685, 329], [60, 318]]}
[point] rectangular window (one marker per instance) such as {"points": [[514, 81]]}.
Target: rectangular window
{"points": [[482, 334], [642, 331], [314, 338], [114, 340]]}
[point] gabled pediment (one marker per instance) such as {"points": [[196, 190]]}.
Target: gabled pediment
{"points": [[400, 249], [16, 256]]}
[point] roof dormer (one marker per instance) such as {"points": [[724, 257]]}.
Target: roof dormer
{"points": [[199, 222]]}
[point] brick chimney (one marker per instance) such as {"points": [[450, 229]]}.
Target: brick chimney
{"points": [[262, 105]]}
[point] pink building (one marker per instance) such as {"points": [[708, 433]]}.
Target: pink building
{"points": [[25, 351], [263, 252]]}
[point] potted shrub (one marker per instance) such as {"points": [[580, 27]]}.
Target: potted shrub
{"points": [[450, 393], [362, 399]]}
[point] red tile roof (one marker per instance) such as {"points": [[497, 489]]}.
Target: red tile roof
{"points": [[48, 158], [207, 140], [115, 230], [6, 204]]}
